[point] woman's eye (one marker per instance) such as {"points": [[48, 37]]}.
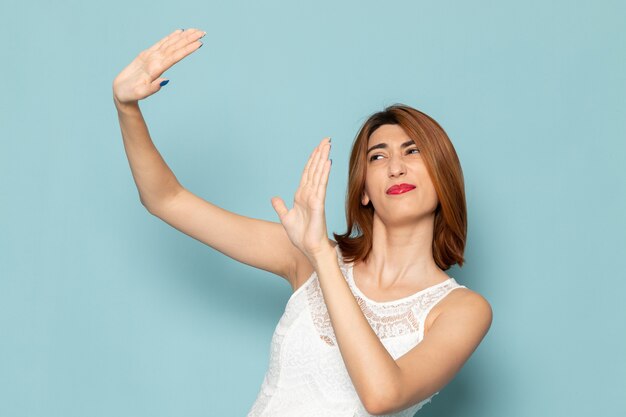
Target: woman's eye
{"points": [[372, 158]]}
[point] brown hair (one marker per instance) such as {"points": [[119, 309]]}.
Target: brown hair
{"points": [[444, 168]]}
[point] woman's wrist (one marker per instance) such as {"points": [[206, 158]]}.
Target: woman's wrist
{"points": [[125, 106], [323, 257]]}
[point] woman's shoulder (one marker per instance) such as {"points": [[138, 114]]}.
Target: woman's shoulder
{"points": [[466, 295], [466, 300]]}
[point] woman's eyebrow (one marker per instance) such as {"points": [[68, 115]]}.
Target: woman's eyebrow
{"points": [[383, 145]]}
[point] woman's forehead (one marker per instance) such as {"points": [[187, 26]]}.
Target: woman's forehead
{"points": [[389, 134]]}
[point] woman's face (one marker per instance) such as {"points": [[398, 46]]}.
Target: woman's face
{"points": [[392, 159]]}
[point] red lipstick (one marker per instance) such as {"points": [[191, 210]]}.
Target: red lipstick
{"points": [[400, 188]]}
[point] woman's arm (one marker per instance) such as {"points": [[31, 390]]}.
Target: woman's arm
{"points": [[140, 79], [386, 385], [155, 181], [258, 243]]}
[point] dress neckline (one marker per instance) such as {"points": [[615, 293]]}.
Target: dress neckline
{"points": [[349, 267]]}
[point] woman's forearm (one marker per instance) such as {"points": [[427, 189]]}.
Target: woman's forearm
{"points": [[155, 181]]}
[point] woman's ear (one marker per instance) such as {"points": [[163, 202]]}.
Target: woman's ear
{"points": [[364, 199]]}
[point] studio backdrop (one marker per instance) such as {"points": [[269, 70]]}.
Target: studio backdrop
{"points": [[105, 310]]}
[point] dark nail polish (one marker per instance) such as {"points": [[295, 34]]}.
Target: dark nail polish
{"points": [[162, 83], [331, 161], [200, 45]]}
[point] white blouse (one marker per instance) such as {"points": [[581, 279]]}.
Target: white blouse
{"points": [[307, 376]]}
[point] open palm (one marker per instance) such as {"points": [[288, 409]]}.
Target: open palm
{"points": [[142, 77], [305, 223]]}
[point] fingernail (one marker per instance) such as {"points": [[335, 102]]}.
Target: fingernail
{"points": [[200, 45], [331, 161], [330, 140], [162, 83], [182, 29]]}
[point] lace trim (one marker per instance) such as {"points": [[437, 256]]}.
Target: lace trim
{"points": [[388, 319]]}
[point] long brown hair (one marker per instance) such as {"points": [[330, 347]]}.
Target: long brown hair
{"points": [[444, 168]]}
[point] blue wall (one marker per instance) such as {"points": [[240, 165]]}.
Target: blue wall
{"points": [[105, 310]]}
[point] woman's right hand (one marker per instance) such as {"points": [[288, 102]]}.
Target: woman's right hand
{"points": [[142, 77]]}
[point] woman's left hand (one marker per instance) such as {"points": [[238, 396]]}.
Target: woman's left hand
{"points": [[305, 223]]}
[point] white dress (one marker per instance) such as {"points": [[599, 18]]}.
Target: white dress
{"points": [[307, 376]]}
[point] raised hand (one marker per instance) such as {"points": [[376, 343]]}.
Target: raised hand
{"points": [[305, 223], [142, 77]]}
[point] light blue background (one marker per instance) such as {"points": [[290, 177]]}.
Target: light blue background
{"points": [[107, 311]]}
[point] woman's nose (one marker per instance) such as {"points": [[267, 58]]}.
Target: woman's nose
{"points": [[396, 167]]}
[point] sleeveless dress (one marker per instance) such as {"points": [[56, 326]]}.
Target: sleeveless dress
{"points": [[307, 376]]}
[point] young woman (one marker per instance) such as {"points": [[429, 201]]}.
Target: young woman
{"points": [[374, 325]]}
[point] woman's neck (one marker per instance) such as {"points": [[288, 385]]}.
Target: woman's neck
{"points": [[402, 254]]}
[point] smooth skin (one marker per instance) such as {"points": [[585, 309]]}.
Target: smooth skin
{"points": [[299, 245]]}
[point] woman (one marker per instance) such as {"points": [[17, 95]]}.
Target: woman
{"points": [[373, 325]]}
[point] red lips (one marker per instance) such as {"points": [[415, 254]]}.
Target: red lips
{"points": [[400, 188]]}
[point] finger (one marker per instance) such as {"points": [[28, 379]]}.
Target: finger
{"points": [[165, 39], [321, 189], [279, 207], [314, 165], [182, 47], [156, 85], [177, 51], [181, 53], [324, 152], [184, 39], [305, 172], [311, 166], [177, 35]]}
